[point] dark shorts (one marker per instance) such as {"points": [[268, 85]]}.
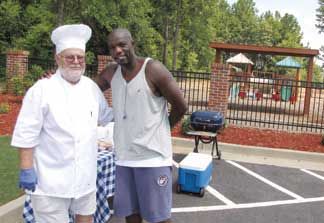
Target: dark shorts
{"points": [[142, 190]]}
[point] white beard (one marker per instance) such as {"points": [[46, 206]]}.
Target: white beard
{"points": [[71, 75]]}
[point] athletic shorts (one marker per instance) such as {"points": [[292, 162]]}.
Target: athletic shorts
{"points": [[143, 190], [56, 209]]}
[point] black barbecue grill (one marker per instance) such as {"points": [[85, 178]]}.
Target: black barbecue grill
{"points": [[208, 121], [205, 125]]}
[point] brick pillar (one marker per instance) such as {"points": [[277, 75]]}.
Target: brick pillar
{"points": [[103, 61], [17, 64], [219, 85]]}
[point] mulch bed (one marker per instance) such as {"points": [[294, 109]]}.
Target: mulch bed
{"points": [[7, 121], [268, 138], [231, 134]]}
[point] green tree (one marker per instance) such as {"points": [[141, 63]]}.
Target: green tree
{"points": [[320, 26], [10, 23], [320, 16], [290, 31], [269, 29], [244, 24]]}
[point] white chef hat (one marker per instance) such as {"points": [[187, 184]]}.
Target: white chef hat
{"points": [[71, 36]]}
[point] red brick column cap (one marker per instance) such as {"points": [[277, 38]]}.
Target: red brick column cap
{"points": [[18, 52]]}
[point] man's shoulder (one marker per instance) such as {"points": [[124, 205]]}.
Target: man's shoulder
{"points": [[153, 65]]}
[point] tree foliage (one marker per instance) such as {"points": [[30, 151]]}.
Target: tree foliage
{"points": [[176, 32], [320, 26], [320, 16]]}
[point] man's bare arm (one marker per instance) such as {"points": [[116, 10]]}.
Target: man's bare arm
{"points": [[26, 158], [103, 79], [167, 87]]}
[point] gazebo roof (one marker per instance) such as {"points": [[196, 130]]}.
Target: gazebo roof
{"points": [[288, 62], [239, 58]]}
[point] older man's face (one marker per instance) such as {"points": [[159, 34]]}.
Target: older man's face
{"points": [[71, 63]]}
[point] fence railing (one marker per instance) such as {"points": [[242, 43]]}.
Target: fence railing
{"points": [[195, 87], [276, 103], [265, 102], [2, 66], [91, 69], [43, 63]]}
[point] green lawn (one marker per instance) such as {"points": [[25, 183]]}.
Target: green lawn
{"points": [[8, 171]]}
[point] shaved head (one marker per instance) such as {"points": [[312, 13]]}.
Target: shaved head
{"points": [[121, 32]]}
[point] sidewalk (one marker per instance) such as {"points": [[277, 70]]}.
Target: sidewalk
{"points": [[258, 155], [11, 212]]}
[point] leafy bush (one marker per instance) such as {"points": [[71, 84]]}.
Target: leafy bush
{"points": [[16, 83], [322, 142], [20, 84], [34, 73], [186, 126], [4, 108]]}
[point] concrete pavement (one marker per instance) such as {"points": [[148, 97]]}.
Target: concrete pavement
{"points": [[258, 155], [11, 212]]}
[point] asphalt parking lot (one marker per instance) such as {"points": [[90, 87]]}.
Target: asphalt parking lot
{"points": [[245, 193], [242, 192]]}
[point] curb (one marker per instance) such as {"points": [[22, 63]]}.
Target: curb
{"points": [[12, 211], [255, 154]]}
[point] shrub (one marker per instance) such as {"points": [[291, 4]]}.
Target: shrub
{"points": [[34, 74], [20, 84], [17, 85], [322, 142], [186, 126], [4, 108]]}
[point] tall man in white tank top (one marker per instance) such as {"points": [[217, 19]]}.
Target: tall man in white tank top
{"points": [[141, 90]]}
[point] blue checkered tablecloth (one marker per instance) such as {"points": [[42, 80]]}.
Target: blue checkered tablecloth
{"points": [[106, 170]]}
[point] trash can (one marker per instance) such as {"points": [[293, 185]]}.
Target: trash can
{"points": [[285, 93]]}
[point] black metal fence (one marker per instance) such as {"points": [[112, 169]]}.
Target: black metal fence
{"points": [[278, 103], [91, 69], [36, 67], [43, 63], [265, 102], [2, 66], [195, 87]]}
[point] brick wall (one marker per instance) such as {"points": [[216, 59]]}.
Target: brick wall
{"points": [[16, 64], [219, 85], [103, 60]]}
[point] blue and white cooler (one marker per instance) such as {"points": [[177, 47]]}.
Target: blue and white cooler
{"points": [[194, 173]]}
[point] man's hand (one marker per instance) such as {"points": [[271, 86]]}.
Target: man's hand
{"points": [[28, 179], [47, 74]]}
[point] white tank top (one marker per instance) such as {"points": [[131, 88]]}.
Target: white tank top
{"points": [[142, 129]]}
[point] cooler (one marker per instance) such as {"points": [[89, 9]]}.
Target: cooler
{"points": [[194, 173]]}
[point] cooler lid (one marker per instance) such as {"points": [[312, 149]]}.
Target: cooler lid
{"points": [[196, 161]]}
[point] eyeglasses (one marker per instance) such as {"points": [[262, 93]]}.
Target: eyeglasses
{"points": [[72, 58]]}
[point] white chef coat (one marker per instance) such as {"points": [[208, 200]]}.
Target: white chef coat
{"points": [[59, 121]]}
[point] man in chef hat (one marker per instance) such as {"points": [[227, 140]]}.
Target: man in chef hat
{"points": [[56, 137]]}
